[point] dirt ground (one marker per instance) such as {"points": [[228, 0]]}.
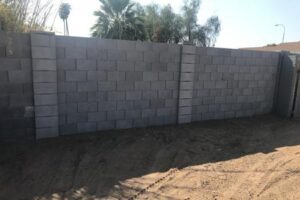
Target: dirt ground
{"points": [[250, 158]]}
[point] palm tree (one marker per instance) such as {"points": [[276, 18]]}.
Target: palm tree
{"points": [[117, 19], [64, 11]]}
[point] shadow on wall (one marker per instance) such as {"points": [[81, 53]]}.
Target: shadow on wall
{"points": [[107, 165]]}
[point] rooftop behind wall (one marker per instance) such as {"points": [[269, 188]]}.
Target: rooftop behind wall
{"points": [[112, 84]]}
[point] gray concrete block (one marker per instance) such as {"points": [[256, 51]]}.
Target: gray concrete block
{"points": [[188, 59], [150, 76], [186, 85], [142, 85], [167, 76], [151, 56], [171, 103], [187, 67], [139, 123], [44, 77], [77, 117], [115, 115], [172, 85], [66, 64], [133, 114], [18, 76], [86, 127], [125, 105], [185, 110], [64, 87], [209, 84], [174, 67], [159, 67], [45, 88], [46, 132], [150, 94], [107, 85], [135, 56], [76, 97], [220, 100], [43, 111], [147, 113], [45, 99], [221, 84], [116, 76], [40, 40], [96, 116], [43, 53], [185, 102], [83, 64], [124, 124], [125, 66], [185, 94], [44, 65], [125, 85], [60, 52], [3, 76], [158, 85], [126, 45], [75, 53], [188, 49], [183, 119], [76, 75], [141, 104], [142, 66], [106, 125], [204, 76], [134, 76], [133, 95], [87, 107], [157, 103], [116, 96], [49, 121], [89, 86], [68, 108], [116, 55], [107, 105]]}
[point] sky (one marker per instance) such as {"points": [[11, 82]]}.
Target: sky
{"points": [[244, 23]]}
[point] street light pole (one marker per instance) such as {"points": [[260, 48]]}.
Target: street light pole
{"points": [[283, 31]]}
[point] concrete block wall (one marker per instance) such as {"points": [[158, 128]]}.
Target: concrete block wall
{"points": [[110, 84], [16, 91], [233, 83]]}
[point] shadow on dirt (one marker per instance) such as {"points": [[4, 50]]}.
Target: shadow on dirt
{"points": [[94, 165]]}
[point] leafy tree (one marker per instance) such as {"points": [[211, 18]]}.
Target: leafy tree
{"points": [[117, 19], [190, 10], [24, 15], [64, 12]]}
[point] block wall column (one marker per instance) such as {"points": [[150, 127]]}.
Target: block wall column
{"points": [[45, 84], [188, 59]]}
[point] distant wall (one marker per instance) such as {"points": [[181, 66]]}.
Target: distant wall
{"points": [[16, 91], [89, 84]]}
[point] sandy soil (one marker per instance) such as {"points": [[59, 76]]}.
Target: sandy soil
{"points": [[251, 158]]}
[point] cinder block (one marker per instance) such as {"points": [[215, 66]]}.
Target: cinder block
{"points": [[45, 99], [209, 84], [87, 107], [159, 67], [186, 85], [86, 127], [125, 66], [77, 97], [40, 40], [150, 94], [47, 132], [165, 112], [147, 113], [133, 114], [49, 121], [107, 85], [185, 94], [185, 110], [174, 67], [187, 67], [75, 52], [107, 105], [124, 124], [221, 84], [126, 45], [135, 56], [18, 76], [151, 56], [106, 125], [139, 123], [77, 117], [125, 105], [133, 95], [186, 58], [44, 65], [68, 108], [45, 88], [188, 49], [66, 64], [83, 64], [44, 77], [43, 52], [116, 55], [64, 87], [185, 102], [116, 76], [142, 85], [116, 96], [172, 85], [76, 75], [142, 66], [158, 85], [125, 85], [96, 116], [42, 111], [141, 104], [157, 103], [115, 115], [150, 76], [167, 76], [3, 76], [134, 76], [220, 100], [87, 86]]}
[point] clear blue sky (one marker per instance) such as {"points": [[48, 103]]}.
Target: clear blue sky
{"points": [[245, 23]]}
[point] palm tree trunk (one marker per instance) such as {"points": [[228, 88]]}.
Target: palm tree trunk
{"points": [[64, 27], [67, 27]]}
